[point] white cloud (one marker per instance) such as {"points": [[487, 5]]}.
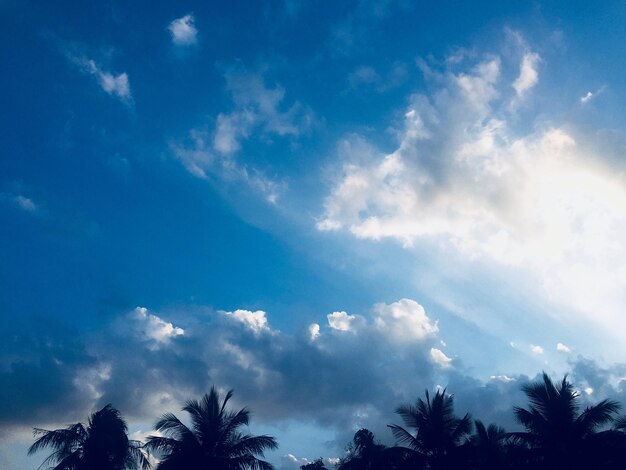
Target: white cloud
{"points": [[536, 349], [563, 348], [115, 85], [439, 358], [404, 320], [341, 321], [203, 162], [257, 108], [255, 321], [528, 75], [591, 95], [154, 328], [183, 31], [587, 97], [502, 378], [463, 177], [314, 331]]}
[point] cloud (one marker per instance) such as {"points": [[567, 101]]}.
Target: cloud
{"points": [[342, 321], [116, 85], [563, 348], [258, 115], [439, 358], [26, 203], [183, 31], [464, 176], [281, 377], [203, 162], [528, 75], [536, 349], [314, 331], [153, 328], [591, 95], [367, 77], [404, 320], [257, 108], [255, 321]]}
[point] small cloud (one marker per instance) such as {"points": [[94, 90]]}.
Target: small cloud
{"points": [[314, 331], [115, 85], [528, 76], [255, 321], [563, 348], [183, 31], [439, 358], [154, 328], [536, 349], [591, 95], [25, 203], [502, 378], [588, 390], [587, 97], [341, 321]]}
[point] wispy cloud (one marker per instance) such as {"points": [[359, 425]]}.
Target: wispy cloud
{"points": [[183, 30], [116, 85], [258, 113], [590, 95]]}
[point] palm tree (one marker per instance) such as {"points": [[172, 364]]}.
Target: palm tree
{"points": [[556, 433], [488, 446], [438, 433], [101, 445], [213, 441], [364, 453]]}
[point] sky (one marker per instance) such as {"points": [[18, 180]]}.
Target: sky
{"points": [[328, 207]]}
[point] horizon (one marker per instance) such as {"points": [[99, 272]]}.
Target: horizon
{"points": [[328, 208]]}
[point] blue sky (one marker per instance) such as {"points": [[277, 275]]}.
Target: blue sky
{"points": [[327, 207]]}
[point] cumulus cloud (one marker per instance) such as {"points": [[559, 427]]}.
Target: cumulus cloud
{"points": [[183, 31], [404, 320], [255, 321], [463, 176], [439, 358], [153, 328], [341, 321], [536, 349], [339, 381]]}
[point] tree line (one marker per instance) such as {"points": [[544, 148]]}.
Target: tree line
{"points": [[557, 435]]}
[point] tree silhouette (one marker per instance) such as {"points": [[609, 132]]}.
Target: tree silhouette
{"points": [[556, 434], [488, 446], [101, 445], [438, 433], [364, 453], [315, 465], [214, 440]]}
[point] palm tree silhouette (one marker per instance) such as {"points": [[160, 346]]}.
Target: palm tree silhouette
{"points": [[214, 440], [488, 446], [556, 434], [101, 445], [364, 453], [438, 433]]}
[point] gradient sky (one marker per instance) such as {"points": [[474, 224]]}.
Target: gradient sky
{"points": [[327, 206]]}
